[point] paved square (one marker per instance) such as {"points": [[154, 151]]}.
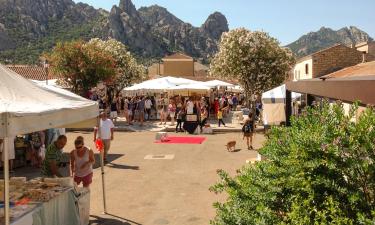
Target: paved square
{"points": [[158, 192]]}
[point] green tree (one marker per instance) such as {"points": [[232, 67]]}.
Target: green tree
{"points": [[127, 69], [255, 59], [318, 171], [81, 66]]}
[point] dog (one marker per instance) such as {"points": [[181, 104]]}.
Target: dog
{"points": [[231, 146]]}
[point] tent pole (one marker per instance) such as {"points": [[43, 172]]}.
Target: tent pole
{"points": [[6, 173], [102, 169], [103, 184]]}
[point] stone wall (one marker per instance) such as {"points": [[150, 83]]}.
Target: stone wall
{"points": [[371, 52], [369, 48], [155, 69], [333, 59], [179, 68]]}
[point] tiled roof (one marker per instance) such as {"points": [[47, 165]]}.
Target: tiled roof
{"points": [[362, 69], [31, 72]]}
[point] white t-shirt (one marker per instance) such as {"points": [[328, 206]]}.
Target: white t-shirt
{"points": [[148, 104], [11, 149], [105, 129], [190, 107]]}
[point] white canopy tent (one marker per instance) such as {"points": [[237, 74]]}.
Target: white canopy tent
{"points": [[274, 105], [162, 83], [217, 83], [196, 86], [54, 87], [236, 88], [189, 89], [51, 82], [179, 80], [155, 84], [277, 95], [27, 107]]}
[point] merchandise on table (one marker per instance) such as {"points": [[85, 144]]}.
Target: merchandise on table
{"points": [[27, 195]]}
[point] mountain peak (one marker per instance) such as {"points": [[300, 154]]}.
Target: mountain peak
{"points": [[327, 37], [157, 15], [128, 7], [215, 25]]}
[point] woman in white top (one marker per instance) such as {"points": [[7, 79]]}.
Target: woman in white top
{"points": [[11, 152], [81, 161]]}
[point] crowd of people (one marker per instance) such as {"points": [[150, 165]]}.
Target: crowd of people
{"points": [[138, 109], [45, 150]]}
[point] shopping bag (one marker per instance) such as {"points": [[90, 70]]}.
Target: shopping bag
{"points": [[99, 145]]}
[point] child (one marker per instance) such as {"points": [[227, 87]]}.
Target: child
{"points": [[220, 116], [248, 130], [180, 117], [172, 111]]}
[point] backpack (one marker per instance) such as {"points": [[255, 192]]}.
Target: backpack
{"points": [[247, 128]]}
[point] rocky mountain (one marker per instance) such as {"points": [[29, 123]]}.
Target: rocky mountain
{"points": [[30, 27], [326, 37]]}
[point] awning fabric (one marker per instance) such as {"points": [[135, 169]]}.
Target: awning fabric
{"points": [[162, 83], [217, 83], [196, 86], [27, 107], [277, 95]]}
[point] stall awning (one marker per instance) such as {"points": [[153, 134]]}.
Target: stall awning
{"points": [[347, 89], [217, 83], [160, 84], [277, 95], [27, 107]]}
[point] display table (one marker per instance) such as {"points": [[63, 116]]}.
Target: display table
{"points": [[61, 210], [190, 126], [191, 123]]}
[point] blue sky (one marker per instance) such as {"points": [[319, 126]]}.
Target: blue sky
{"points": [[286, 20]]}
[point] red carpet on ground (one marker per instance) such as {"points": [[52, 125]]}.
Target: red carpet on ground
{"points": [[182, 140]]}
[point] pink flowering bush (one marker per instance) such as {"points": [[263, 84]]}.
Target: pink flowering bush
{"points": [[253, 58]]}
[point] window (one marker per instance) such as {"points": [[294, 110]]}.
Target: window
{"points": [[307, 68]]}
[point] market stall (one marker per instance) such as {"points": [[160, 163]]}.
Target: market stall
{"points": [[158, 85], [26, 107], [196, 89], [217, 84], [274, 105]]}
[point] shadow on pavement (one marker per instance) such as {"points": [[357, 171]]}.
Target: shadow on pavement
{"points": [[120, 166], [110, 158], [110, 219]]}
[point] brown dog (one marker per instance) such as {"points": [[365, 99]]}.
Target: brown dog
{"points": [[231, 146]]}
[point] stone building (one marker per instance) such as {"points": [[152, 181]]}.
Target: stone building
{"points": [[368, 50], [326, 61], [179, 65]]}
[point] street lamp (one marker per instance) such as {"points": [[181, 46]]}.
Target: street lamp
{"points": [[45, 66]]}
